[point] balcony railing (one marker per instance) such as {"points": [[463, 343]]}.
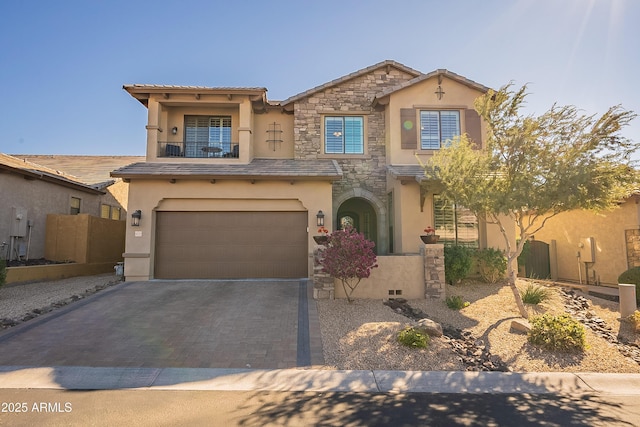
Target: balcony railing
{"points": [[199, 150]]}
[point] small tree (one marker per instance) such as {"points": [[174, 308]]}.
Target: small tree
{"points": [[533, 168], [349, 257]]}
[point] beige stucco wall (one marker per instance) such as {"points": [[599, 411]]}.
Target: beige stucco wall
{"points": [[404, 273], [84, 239], [420, 96], [607, 229], [279, 150], [410, 220], [151, 196]]}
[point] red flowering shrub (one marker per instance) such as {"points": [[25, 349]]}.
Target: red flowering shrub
{"points": [[349, 256]]}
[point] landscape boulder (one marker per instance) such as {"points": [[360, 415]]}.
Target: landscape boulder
{"points": [[429, 327]]}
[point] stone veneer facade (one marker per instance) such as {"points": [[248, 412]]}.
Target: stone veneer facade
{"points": [[352, 96], [633, 248]]}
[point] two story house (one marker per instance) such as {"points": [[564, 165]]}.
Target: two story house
{"points": [[234, 185]]}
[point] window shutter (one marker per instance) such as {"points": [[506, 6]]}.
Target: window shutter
{"points": [[472, 125], [409, 132]]}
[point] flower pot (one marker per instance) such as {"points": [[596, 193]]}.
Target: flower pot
{"points": [[321, 240], [430, 238]]}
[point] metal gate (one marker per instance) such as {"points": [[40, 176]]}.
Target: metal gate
{"points": [[537, 264]]}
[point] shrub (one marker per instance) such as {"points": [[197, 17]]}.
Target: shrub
{"points": [[632, 277], [534, 294], [349, 256], [3, 272], [492, 264], [457, 263], [635, 321], [557, 333], [456, 302], [413, 338]]}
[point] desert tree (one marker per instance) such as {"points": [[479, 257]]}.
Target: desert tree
{"points": [[532, 168], [349, 257]]}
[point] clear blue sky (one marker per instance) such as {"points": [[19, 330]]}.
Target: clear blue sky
{"points": [[63, 63]]}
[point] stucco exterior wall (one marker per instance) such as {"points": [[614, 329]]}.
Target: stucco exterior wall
{"points": [[84, 239], [151, 196], [422, 96], [607, 228], [39, 198], [394, 273]]}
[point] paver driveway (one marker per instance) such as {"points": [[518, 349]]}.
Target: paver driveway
{"points": [[195, 324]]}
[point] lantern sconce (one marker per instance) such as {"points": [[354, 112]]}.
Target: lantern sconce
{"points": [[174, 130], [320, 219], [135, 218]]}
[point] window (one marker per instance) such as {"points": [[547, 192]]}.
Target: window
{"points": [[207, 136], [110, 212], [105, 211], [437, 128], [75, 206], [454, 224], [344, 135], [116, 213]]}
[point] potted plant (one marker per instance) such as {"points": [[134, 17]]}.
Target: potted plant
{"points": [[430, 236], [323, 237]]}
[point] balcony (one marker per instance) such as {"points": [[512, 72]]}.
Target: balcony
{"points": [[198, 150]]}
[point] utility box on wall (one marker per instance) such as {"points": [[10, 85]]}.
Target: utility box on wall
{"points": [[587, 250], [18, 222]]}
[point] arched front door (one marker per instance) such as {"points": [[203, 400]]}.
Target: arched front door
{"points": [[359, 213]]}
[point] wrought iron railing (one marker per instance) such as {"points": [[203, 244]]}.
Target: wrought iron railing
{"points": [[200, 150]]}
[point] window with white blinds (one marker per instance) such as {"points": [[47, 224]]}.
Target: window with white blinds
{"points": [[455, 224], [207, 136], [438, 128], [344, 135]]}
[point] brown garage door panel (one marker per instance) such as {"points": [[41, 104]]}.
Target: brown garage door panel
{"points": [[205, 245]]}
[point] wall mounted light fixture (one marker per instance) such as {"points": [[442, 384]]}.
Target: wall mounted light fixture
{"points": [[320, 219], [174, 130], [135, 218]]}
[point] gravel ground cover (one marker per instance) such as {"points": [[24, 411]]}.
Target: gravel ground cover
{"points": [[20, 302], [363, 335]]}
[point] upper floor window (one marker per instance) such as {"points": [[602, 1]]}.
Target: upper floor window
{"points": [[207, 136], [344, 135], [438, 128], [74, 206]]}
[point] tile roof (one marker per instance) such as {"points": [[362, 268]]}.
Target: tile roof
{"points": [[416, 172], [258, 169], [36, 171], [179, 87], [94, 170], [349, 77]]}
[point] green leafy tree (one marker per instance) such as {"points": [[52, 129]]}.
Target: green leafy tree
{"points": [[535, 167], [349, 256]]}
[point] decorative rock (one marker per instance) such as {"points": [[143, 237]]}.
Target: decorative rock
{"points": [[429, 327], [577, 306], [521, 325]]}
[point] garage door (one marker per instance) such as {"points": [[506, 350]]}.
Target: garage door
{"points": [[231, 245]]}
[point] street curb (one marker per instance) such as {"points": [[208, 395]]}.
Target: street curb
{"points": [[315, 380]]}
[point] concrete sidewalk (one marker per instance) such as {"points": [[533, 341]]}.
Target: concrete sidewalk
{"points": [[313, 380]]}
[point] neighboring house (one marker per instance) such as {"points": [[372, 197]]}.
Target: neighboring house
{"points": [[29, 192], [608, 243], [94, 171], [233, 183]]}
